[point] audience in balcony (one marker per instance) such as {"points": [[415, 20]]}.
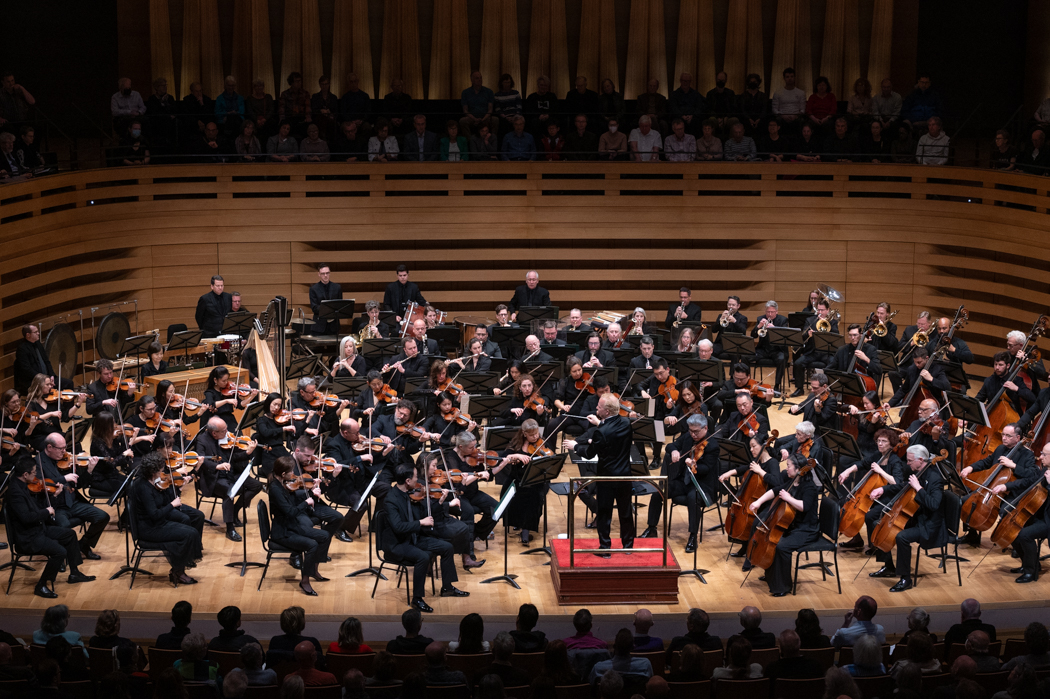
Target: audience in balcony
{"points": [[876, 144], [540, 107], [483, 145], [1035, 159], [453, 147], [886, 105], [822, 106], [313, 148], [383, 147], [679, 146], [355, 105], [477, 102], [654, 105], [773, 146], [645, 141], [789, 102], [753, 105], [580, 142], [162, 114], [324, 108], [282, 146], [196, 110], [738, 147], [10, 166], [552, 144], [1004, 155], [858, 107], [134, 149], [229, 108], [125, 104], [840, 146], [687, 104], [581, 100], [721, 101], [15, 102], [396, 107], [419, 144], [708, 146], [922, 104], [933, 145], [519, 144], [350, 145], [902, 150], [612, 145], [610, 105], [247, 144]]}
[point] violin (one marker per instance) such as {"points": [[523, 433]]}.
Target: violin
{"points": [[584, 383], [67, 396], [412, 430], [417, 495], [489, 459], [626, 406], [458, 416], [191, 406], [749, 426], [934, 422], [697, 454], [129, 430], [537, 449], [163, 481], [10, 444], [900, 513], [241, 391], [190, 458], [153, 422], [242, 443], [453, 389], [805, 447], [35, 485], [441, 477], [759, 389], [387, 394], [534, 401], [667, 389], [306, 482], [328, 465], [67, 461], [739, 518], [124, 385], [878, 416], [286, 416], [375, 444], [781, 515]]}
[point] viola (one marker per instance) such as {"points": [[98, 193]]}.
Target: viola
{"points": [[304, 481], [901, 511], [190, 458], [626, 406], [417, 494], [749, 426], [387, 394], [739, 518], [153, 422], [242, 443], [67, 461], [1011, 524], [453, 389], [412, 430], [286, 416], [375, 444], [35, 485], [781, 515], [584, 383], [123, 385], [759, 389], [696, 454], [458, 416], [191, 406], [163, 481], [66, 396], [667, 389], [537, 449], [328, 465], [934, 422]]}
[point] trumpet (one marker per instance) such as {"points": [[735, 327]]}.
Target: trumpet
{"points": [[763, 327], [678, 315], [726, 318]]}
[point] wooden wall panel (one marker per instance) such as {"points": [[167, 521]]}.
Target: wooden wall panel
{"points": [[881, 44], [646, 48], [791, 45], [252, 56], [302, 44], [548, 50], [500, 51], [597, 59], [352, 47], [401, 47], [450, 51], [161, 65]]}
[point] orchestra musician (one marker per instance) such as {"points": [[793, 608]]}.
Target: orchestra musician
{"points": [[1015, 341], [387, 461], [922, 369], [735, 323], [679, 463], [808, 356], [594, 356], [291, 525], [888, 342], [663, 402], [49, 416], [735, 427], [185, 513], [305, 463], [866, 355], [814, 297], [13, 426], [534, 352], [273, 434], [31, 359], [572, 407], [611, 443], [871, 421], [502, 318], [764, 349], [510, 379], [550, 334], [686, 342], [114, 457], [932, 437], [400, 293], [159, 520], [688, 403], [526, 508], [441, 427], [1019, 395], [488, 347], [411, 538], [803, 529], [738, 385], [145, 439], [171, 406], [324, 289], [645, 358], [220, 471], [1035, 528], [1035, 409], [212, 308], [575, 323], [516, 413], [529, 294], [893, 471], [475, 359], [409, 364], [765, 466], [803, 441], [613, 334], [427, 346], [685, 309], [926, 526], [432, 317], [220, 405], [823, 410], [472, 500], [370, 319], [101, 398], [156, 364], [924, 324], [639, 325], [34, 530], [346, 488], [458, 531], [349, 362], [368, 401], [959, 351], [705, 350], [71, 508]]}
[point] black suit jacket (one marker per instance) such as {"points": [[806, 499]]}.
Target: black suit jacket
{"points": [[524, 296], [611, 443], [811, 323], [911, 375], [211, 310], [410, 146], [930, 517], [401, 526], [707, 468], [28, 519], [324, 292], [844, 356], [604, 356], [692, 312], [30, 360], [1025, 471], [778, 322], [398, 296]]}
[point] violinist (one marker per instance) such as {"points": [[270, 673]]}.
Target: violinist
{"points": [[864, 357], [145, 422], [291, 525], [305, 463], [926, 526], [271, 433], [550, 334], [502, 318], [525, 509], [1017, 392], [221, 405], [685, 309], [808, 357], [738, 425], [409, 364], [688, 404], [49, 418], [764, 349], [184, 513], [510, 379], [71, 508], [345, 488], [525, 404], [1036, 372], [888, 342], [308, 398], [114, 457], [594, 356], [101, 398], [931, 374], [170, 403], [529, 294], [221, 468], [686, 342], [370, 402], [428, 347], [158, 519], [870, 418], [456, 531], [349, 363], [385, 429], [409, 537], [436, 378], [156, 364], [804, 529], [367, 324], [12, 425], [474, 360], [680, 462], [740, 385], [472, 499], [735, 323], [821, 406], [803, 441], [1035, 528], [892, 470], [571, 405], [402, 292], [442, 427], [646, 356], [488, 347], [34, 530], [324, 289], [611, 443], [1023, 466], [614, 335]]}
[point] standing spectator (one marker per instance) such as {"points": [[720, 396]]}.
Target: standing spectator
{"points": [[921, 104], [382, 148], [789, 103], [680, 147], [124, 104], [247, 145], [355, 105], [15, 102], [260, 108], [134, 149], [397, 107], [581, 101], [643, 642], [859, 106], [552, 143], [807, 146], [161, 109], [282, 146], [420, 145], [313, 148], [324, 108], [196, 110], [1004, 155], [229, 108], [294, 104], [644, 141], [483, 145], [708, 146], [821, 105], [933, 145], [739, 147], [349, 145], [970, 620], [839, 146], [1036, 159], [580, 143], [753, 105], [351, 638], [903, 148], [507, 104], [654, 105], [613, 143], [610, 104], [858, 622], [518, 145], [477, 102], [807, 626], [876, 145], [687, 104], [721, 101], [886, 106], [773, 146], [453, 146]]}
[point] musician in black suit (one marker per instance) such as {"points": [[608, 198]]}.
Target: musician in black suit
{"points": [[1015, 391], [1035, 528], [34, 531], [325, 417], [31, 359], [100, 398], [71, 508], [611, 443], [889, 341], [550, 334], [529, 294], [533, 351], [866, 355], [410, 538], [764, 350], [409, 364], [323, 514], [220, 471], [1036, 371], [402, 292], [345, 488], [400, 448], [959, 351], [735, 428], [923, 323], [1035, 409], [886, 464], [614, 335], [677, 466], [487, 346], [646, 354], [159, 519], [502, 318], [736, 323], [324, 290], [931, 374], [685, 309], [808, 356], [213, 307], [821, 407], [292, 527], [926, 526], [428, 346], [738, 384], [594, 356]]}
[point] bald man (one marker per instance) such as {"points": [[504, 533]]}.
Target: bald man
{"points": [[643, 642], [533, 353], [429, 346], [221, 469]]}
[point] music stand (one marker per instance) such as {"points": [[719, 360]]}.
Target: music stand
{"points": [[827, 343], [244, 563], [544, 372], [637, 376], [611, 374], [447, 336], [956, 374], [353, 519], [238, 323], [114, 499], [784, 337], [497, 438], [185, 340], [389, 319], [377, 348], [509, 338], [577, 337], [736, 345], [477, 382], [136, 345], [414, 394], [701, 370], [732, 452], [560, 353], [540, 472], [888, 362], [623, 357], [705, 502], [528, 314], [336, 309], [497, 514], [847, 384], [486, 407], [798, 320], [646, 429], [841, 444], [498, 365], [348, 386], [248, 419], [967, 409]]}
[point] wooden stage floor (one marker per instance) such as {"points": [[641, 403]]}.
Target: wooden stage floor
{"points": [[722, 597]]}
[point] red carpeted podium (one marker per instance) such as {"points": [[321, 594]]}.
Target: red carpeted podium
{"points": [[619, 579]]}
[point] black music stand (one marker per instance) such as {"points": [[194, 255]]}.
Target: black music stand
{"points": [[497, 438], [498, 365], [244, 563], [888, 362], [956, 374], [637, 376], [185, 340], [238, 323], [705, 502], [336, 309], [798, 320], [353, 519], [477, 382], [497, 514], [113, 500], [348, 386], [577, 337], [486, 407], [611, 374], [302, 366], [528, 314], [647, 429], [560, 353], [389, 319], [827, 343], [736, 453], [736, 345], [447, 336], [544, 372], [417, 396], [701, 370], [510, 340], [851, 385], [623, 357], [377, 348], [842, 444], [541, 472], [967, 409], [784, 337], [136, 345]]}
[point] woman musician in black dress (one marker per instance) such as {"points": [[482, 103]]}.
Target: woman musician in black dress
{"points": [[155, 507], [274, 430], [156, 364], [443, 426], [290, 508], [527, 506], [49, 416], [222, 405], [349, 362], [114, 456]]}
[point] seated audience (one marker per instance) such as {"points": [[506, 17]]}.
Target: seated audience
{"points": [[180, 617], [483, 145], [411, 642], [977, 645], [526, 638], [1037, 640], [807, 626], [920, 654], [583, 638], [231, 636], [194, 666], [751, 619], [502, 652], [970, 620], [859, 623], [867, 657], [739, 665], [351, 638], [282, 647], [792, 664], [107, 630], [557, 665], [305, 654], [690, 665], [708, 146], [471, 636], [932, 148], [612, 145], [643, 642], [252, 659], [314, 149], [622, 661]]}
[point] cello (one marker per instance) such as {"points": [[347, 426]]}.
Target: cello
{"points": [[769, 532], [980, 509], [859, 500], [900, 512], [911, 411], [739, 518], [1026, 505]]}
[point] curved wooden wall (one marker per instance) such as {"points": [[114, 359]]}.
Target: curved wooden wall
{"points": [[602, 235]]}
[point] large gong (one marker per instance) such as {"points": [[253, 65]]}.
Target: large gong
{"points": [[61, 348], [111, 333]]}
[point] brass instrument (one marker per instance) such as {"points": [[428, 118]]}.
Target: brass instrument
{"points": [[763, 327], [679, 314], [725, 319], [880, 329], [635, 329], [369, 332], [824, 324]]}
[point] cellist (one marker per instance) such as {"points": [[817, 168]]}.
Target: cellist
{"points": [[1035, 528], [926, 526], [931, 374], [804, 441], [1017, 392], [679, 462], [804, 528], [764, 466], [892, 470]]}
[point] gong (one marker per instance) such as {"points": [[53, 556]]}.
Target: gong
{"points": [[111, 333]]}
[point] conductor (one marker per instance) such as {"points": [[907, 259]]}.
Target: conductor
{"points": [[611, 443]]}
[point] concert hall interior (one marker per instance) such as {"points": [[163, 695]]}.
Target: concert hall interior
{"points": [[361, 306]]}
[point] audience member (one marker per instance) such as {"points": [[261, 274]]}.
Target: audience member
{"points": [[822, 105], [324, 108], [541, 106], [557, 666], [721, 101], [644, 141], [751, 621], [773, 146], [196, 110], [354, 685], [581, 100], [918, 621], [753, 105], [124, 104], [507, 104], [162, 112], [231, 636], [1036, 159], [970, 613], [738, 147], [580, 142], [383, 669], [260, 107], [903, 148], [977, 645], [840, 146], [453, 147], [519, 144], [351, 638], [419, 144], [107, 630], [1004, 155], [411, 642], [583, 638], [382, 147], [282, 646], [611, 686], [235, 684], [247, 144], [687, 104], [552, 144], [708, 146], [629, 666], [697, 622], [349, 145], [922, 104], [739, 665], [963, 670], [933, 145], [54, 623], [654, 105], [396, 107], [355, 105], [612, 145], [1041, 116], [792, 664], [807, 147], [503, 648], [491, 687], [134, 148], [876, 144], [679, 146], [839, 684], [610, 104], [1023, 683], [313, 148], [48, 677], [9, 672], [305, 654], [477, 102], [194, 666], [920, 654], [643, 642], [858, 622], [471, 636], [867, 657], [886, 106], [27, 151], [210, 146], [858, 107], [252, 660], [15, 102], [293, 687], [526, 638], [656, 688], [180, 617], [483, 145], [1037, 640], [789, 102], [73, 664], [229, 107], [690, 665]]}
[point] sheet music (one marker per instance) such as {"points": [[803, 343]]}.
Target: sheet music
{"points": [[240, 481], [505, 503], [368, 490]]}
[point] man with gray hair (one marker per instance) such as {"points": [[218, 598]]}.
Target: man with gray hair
{"points": [[502, 652], [933, 145], [765, 351], [927, 526], [687, 488], [1015, 341], [221, 468], [9, 164], [970, 621], [645, 142], [751, 621], [528, 294]]}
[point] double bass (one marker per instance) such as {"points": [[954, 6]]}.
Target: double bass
{"points": [[769, 532], [918, 392], [980, 509], [1027, 504], [900, 512], [739, 518]]}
